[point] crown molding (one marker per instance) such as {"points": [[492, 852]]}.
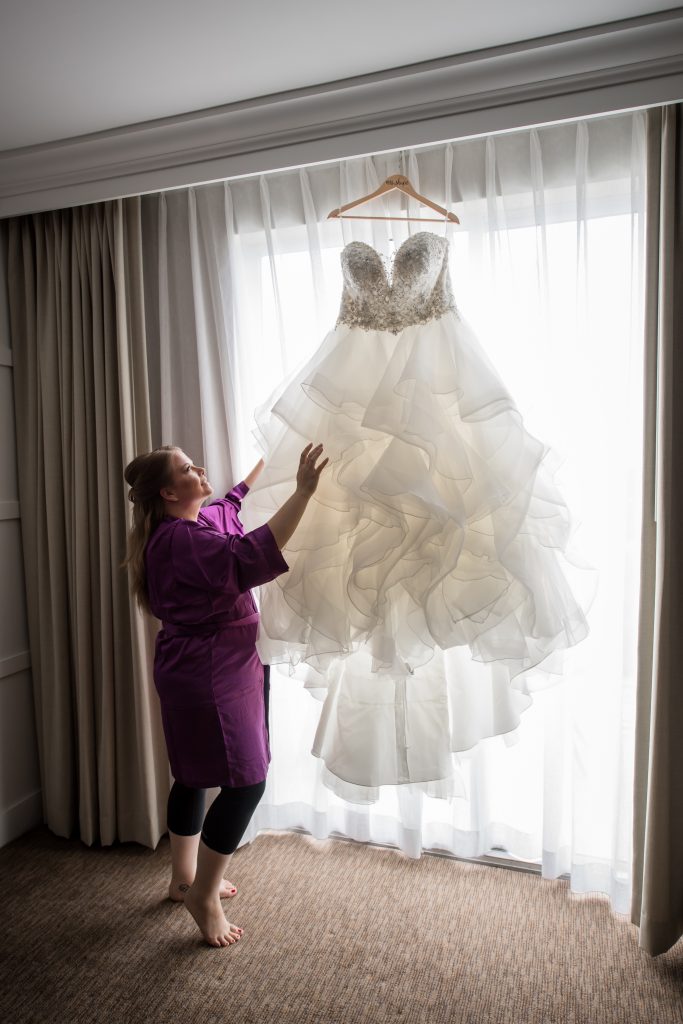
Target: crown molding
{"points": [[611, 67]]}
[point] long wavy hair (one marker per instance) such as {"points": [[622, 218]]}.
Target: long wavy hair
{"points": [[146, 475]]}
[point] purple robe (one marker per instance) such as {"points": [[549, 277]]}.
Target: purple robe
{"points": [[206, 669]]}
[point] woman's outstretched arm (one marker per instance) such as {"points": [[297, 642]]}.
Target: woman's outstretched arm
{"points": [[254, 474], [287, 518]]}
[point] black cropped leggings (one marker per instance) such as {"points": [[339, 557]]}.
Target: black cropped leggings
{"points": [[226, 819], [228, 816]]}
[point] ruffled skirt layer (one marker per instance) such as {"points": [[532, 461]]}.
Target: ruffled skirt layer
{"points": [[436, 527]]}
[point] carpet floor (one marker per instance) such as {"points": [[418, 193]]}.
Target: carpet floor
{"points": [[334, 933]]}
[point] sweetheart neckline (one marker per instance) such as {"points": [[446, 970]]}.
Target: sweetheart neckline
{"points": [[387, 263], [410, 238]]}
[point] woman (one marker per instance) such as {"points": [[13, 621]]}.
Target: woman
{"points": [[193, 568]]}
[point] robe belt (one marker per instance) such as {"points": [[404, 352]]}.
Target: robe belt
{"points": [[206, 628]]}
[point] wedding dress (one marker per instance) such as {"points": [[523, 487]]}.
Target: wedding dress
{"points": [[428, 579]]}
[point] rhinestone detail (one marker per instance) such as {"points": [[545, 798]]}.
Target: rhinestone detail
{"points": [[419, 290]]}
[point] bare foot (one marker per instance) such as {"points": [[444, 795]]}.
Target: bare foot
{"points": [[177, 890], [211, 920]]}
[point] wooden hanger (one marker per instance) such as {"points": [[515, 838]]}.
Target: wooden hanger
{"points": [[400, 183]]}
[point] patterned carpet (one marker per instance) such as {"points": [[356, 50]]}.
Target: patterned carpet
{"points": [[334, 933]]}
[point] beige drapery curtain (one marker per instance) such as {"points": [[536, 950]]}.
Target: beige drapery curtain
{"points": [[657, 905], [78, 338]]}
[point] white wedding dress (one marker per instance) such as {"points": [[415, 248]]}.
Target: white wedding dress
{"points": [[428, 577]]}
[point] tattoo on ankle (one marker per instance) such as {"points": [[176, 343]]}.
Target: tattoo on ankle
{"points": [[184, 887]]}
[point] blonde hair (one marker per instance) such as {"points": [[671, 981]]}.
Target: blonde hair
{"points": [[146, 475]]}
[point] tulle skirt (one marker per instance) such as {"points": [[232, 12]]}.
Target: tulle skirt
{"points": [[429, 584]]}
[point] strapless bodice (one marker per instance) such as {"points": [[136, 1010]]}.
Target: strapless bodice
{"points": [[419, 290]]}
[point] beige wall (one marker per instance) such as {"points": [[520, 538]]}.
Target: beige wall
{"points": [[20, 795]]}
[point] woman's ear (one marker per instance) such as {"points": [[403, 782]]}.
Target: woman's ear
{"points": [[167, 494]]}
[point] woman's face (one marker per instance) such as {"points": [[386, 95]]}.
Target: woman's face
{"points": [[188, 482]]}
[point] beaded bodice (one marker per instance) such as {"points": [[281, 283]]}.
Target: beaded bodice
{"points": [[419, 290]]}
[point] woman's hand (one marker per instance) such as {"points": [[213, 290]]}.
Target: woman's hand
{"points": [[308, 473], [286, 519]]}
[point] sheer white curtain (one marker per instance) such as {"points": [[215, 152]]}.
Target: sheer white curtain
{"points": [[546, 267]]}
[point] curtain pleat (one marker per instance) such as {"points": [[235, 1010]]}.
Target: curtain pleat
{"points": [[78, 339], [657, 905]]}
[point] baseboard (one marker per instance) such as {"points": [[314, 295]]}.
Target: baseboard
{"points": [[21, 816]]}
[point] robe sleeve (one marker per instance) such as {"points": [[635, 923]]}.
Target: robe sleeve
{"points": [[224, 513], [230, 563]]}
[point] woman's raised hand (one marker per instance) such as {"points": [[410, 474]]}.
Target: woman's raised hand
{"points": [[285, 521], [308, 473]]}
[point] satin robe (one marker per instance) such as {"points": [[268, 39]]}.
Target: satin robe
{"points": [[207, 672]]}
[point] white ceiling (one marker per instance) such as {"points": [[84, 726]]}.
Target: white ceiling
{"points": [[69, 67]]}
